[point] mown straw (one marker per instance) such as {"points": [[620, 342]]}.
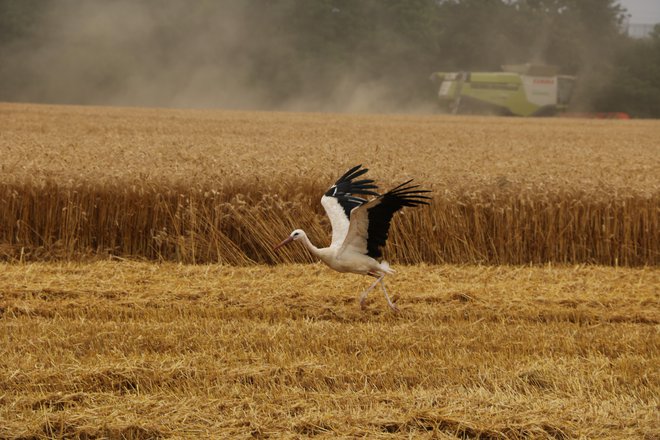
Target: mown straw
{"points": [[142, 350]]}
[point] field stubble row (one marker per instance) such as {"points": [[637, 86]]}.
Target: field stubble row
{"points": [[143, 350], [210, 186]]}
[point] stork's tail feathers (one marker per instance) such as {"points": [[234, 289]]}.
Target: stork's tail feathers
{"points": [[385, 267]]}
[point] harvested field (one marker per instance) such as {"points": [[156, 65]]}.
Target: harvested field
{"points": [[213, 186], [143, 350]]}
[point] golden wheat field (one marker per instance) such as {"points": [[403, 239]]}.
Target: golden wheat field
{"points": [[221, 187], [140, 297], [141, 350]]}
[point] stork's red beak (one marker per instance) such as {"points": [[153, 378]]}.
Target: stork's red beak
{"points": [[285, 242]]}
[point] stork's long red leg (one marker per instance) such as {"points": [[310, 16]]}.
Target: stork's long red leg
{"points": [[363, 295], [387, 297]]}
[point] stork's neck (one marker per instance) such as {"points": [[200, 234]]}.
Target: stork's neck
{"points": [[308, 244]]}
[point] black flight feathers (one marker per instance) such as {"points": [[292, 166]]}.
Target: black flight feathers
{"points": [[345, 188], [380, 215], [407, 195]]}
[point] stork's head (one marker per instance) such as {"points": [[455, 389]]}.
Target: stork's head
{"points": [[297, 234]]}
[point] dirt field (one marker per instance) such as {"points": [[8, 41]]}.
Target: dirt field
{"points": [[140, 350]]}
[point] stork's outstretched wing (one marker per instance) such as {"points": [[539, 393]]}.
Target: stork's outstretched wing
{"points": [[370, 222], [341, 198]]}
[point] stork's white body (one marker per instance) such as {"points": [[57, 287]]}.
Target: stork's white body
{"points": [[346, 260], [359, 226]]}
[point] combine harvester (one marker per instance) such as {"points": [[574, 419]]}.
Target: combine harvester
{"points": [[519, 90]]}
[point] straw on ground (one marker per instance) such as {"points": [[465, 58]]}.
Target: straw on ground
{"points": [[139, 350]]}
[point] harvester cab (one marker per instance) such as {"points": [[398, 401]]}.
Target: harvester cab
{"points": [[521, 90]]}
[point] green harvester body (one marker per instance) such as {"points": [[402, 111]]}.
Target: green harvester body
{"points": [[520, 90]]}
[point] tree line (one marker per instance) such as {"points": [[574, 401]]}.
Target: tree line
{"points": [[314, 54]]}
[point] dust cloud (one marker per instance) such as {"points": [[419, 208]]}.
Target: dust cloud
{"points": [[367, 56], [181, 54]]}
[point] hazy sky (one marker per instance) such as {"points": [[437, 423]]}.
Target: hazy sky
{"points": [[642, 11]]}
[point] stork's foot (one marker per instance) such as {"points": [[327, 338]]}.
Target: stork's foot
{"points": [[393, 307], [363, 303]]}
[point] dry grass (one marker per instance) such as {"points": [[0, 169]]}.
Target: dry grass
{"points": [[138, 350], [212, 186]]}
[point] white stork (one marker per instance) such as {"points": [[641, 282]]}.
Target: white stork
{"points": [[360, 227]]}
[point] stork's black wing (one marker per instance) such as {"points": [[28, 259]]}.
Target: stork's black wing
{"points": [[346, 187], [370, 223], [342, 197]]}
